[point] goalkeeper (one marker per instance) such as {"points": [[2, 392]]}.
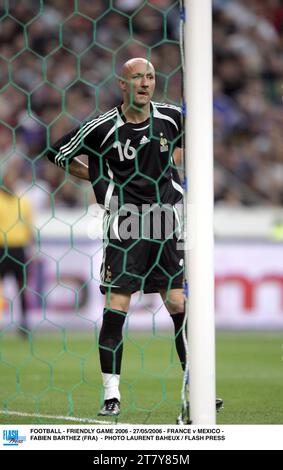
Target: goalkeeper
{"points": [[131, 151]]}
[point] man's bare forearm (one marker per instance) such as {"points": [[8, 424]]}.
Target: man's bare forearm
{"points": [[79, 169]]}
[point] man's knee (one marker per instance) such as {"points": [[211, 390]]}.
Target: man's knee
{"points": [[174, 308], [117, 301], [174, 301]]}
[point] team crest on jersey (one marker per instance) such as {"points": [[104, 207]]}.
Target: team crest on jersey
{"points": [[108, 277], [163, 143]]}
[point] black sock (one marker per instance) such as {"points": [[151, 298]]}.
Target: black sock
{"points": [[111, 341], [178, 319]]}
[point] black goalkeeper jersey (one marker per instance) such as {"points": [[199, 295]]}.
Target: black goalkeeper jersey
{"points": [[130, 161]]}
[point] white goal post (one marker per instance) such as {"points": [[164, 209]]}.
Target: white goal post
{"points": [[199, 223]]}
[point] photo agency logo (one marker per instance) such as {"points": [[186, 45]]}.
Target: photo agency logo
{"points": [[11, 437], [132, 222]]}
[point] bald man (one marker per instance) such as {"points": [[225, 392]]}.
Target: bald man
{"points": [[131, 151]]}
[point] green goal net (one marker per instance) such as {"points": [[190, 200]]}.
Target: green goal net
{"points": [[60, 62]]}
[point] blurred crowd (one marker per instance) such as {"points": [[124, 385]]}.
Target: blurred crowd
{"points": [[59, 62], [248, 118]]}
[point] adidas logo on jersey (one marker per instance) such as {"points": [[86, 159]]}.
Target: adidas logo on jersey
{"points": [[144, 140]]}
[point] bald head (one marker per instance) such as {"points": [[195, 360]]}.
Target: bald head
{"points": [[137, 83], [136, 63]]}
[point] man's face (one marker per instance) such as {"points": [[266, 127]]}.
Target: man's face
{"points": [[139, 83]]}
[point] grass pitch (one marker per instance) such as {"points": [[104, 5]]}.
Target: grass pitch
{"points": [[52, 376]]}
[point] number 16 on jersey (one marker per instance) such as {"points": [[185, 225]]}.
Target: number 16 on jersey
{"points": [[126, 152]]}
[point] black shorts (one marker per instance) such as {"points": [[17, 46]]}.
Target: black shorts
{"points": [[142, 252]]}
